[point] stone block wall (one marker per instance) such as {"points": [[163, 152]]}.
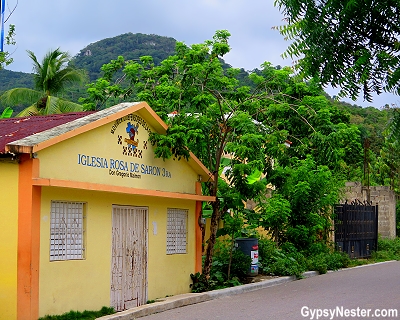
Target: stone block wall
{"points": [[381, 195]]}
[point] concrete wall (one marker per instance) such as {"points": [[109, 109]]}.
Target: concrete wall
{"points": [[386, 200]]}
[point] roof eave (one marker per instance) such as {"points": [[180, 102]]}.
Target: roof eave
{"points": [[17, 149]]}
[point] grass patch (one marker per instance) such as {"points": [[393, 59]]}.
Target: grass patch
{"points": [[85, 315], [150, 301], [388, 249]]}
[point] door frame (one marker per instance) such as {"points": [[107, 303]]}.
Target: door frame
{"points": [[119, 303]]}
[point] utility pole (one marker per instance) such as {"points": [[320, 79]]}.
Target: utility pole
{"points": [[2, 6]]}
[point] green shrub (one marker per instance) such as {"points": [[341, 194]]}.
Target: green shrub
{"points": [[317, 263], [388, 249], [325, 261], [286, 265], [200, 283], [338, 260], [240, 266], [317, 248], [286, 261]]}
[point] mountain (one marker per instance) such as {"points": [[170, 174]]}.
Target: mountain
{"points": [[92, 57], [130, 46]]}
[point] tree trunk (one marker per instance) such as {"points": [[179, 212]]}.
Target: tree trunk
{"points": [[230, 255], [211, 241], [216, 212]]}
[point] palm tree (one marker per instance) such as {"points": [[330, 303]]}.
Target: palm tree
{"points": [[50, 78]]}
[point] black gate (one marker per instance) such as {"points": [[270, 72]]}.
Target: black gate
{"points": [[356, 228]]}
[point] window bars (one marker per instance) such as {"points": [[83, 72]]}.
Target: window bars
{"points": [[66, 230], [176, 230]]}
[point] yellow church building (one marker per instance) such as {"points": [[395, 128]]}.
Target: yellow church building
{"points": [[90, 217]]}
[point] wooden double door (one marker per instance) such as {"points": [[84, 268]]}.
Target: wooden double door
{"points": [[129, 257]]}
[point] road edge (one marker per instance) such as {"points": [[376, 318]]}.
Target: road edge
{"points": [[186, 299]]}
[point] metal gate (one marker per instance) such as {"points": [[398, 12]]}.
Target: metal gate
{"points": [[356, 228], [129, 257]]}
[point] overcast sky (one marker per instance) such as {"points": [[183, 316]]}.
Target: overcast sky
{"points": [[42, 25]]}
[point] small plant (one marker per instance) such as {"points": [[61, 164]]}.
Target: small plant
{"points": [[323, 262], [85, 315], [388, 249], [200, 283], [219, 271], [287, 264]]}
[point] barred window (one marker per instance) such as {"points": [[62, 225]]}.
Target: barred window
{"points": [[66, 230], [176, 230]]}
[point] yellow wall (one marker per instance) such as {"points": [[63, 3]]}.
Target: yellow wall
{"points": [[8, 240], [169, 274], [85, 284], [88, 157]]}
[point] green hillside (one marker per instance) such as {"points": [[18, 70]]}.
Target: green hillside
{"points": [[130, 46], [11, 79]]}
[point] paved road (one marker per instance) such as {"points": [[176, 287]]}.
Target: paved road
{"points": [[369, 287]]}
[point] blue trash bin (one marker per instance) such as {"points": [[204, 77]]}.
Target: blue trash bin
{"points": [[249, 246]]}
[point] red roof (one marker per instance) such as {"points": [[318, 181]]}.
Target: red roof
{"points": [[17, 128]]}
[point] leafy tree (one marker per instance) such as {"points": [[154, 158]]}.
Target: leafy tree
{"points": [[316, 127], [5, 57], [388, 162], [216, 117], [351, 44], [51, 76], [307, 192], [275, 213], [5, 60]]}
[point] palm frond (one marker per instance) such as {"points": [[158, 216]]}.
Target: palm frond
{"points": [[58, 105], [65, 77], [7, 113], [19, 96], [36, 64], [53, 73], [50, 77], [32, 110]]}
